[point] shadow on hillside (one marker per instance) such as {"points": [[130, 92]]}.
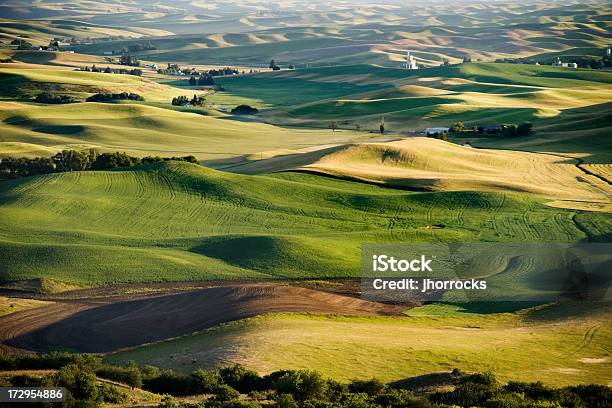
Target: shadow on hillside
{"points": [[425, 383]]}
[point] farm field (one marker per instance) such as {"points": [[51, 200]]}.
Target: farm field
{"points": [[476, 94], [143, 130], [374, 35], [535, 344], [178, 229], [426, 164], [117, 325], [197, 223], [24, 81]]}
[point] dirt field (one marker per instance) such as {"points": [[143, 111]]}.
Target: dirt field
{"points": [[85, 326]]}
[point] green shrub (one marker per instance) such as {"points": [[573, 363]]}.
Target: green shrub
{"points": [[80, 382], [370, 387], [335, 390], [240, 378], [129, 375], [224, 392], [593, 396], [112, 394], [285, 401], [205, 382], [301, 384], [401, 399]]}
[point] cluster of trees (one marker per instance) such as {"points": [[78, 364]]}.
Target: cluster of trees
{"points": [[128, 59], [76, 373], [46, 97], [109, 70], [73, 160], [200, 77], [183, 100], [511, 130], [103, 97], [238, 387], [21, 44], [204, 79], [244, 110], [218, 72], [522, 129]]}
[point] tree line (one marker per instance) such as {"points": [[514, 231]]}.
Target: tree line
{"points": [[204, 79], [109, 70], [109, 97], [74, 160], [236, 386], [46, 97], [50, 98], [183, 100], [522, 129]]}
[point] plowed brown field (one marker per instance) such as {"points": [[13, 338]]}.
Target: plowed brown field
{"points": [[86, 327]]}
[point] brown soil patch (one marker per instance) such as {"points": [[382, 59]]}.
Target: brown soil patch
{"points": [[86, 327]]}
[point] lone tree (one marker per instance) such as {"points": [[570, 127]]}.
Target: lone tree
{"points": [[333, 125]]}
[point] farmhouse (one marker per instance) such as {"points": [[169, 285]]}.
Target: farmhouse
{"points": [[558, 63], [433, 131]]}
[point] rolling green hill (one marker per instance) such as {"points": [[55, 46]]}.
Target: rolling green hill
{"points": [[557, 101], [22, 81], [145, 130], [176, 222]]}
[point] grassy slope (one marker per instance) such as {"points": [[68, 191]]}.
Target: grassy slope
{"points": [[145, 130], [26, 81], [558, 345], [12, 305], [424, 163], [40, 32], [177, 221], [450, 167]]}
